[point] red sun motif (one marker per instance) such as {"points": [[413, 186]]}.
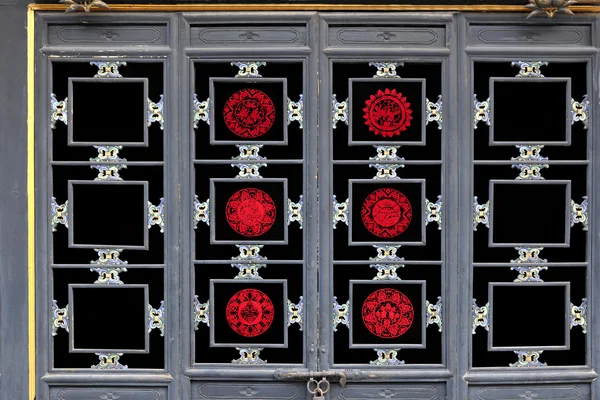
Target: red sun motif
{"points": [[388, 313], [250, 212], [386, 213], [249, 113], [250, 312], [387, 113]]}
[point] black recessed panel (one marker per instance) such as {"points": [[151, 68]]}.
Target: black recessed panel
{"points": [[529, 213], [108, 214], [530, 111], [387, 212], [249, 111], [386, 110], [247, 210], [108, 111], [528, 316], [248, 313], [386, 314], [106, 317]]}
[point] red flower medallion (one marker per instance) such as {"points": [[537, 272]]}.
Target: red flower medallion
{"points": [[250, 212], [387, 113], [386, 213], [249, 113], [388, 313], [250, 312]]}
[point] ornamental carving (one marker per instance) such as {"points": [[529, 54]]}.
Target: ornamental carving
{"points": [[388, 313], [387, 113]]}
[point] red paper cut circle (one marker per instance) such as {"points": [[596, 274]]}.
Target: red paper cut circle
{"points": [[388, 313], [249, 113], [250, 312], [386, 213], [387, 113], [250, 212]]}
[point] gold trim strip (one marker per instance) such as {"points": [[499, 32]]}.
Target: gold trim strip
{"points": [[31, 200], [307, 7]]}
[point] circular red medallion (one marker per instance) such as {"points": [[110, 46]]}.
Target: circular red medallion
{"points": [[250, 312], [249, 113], [250, 212], [387, 313], [387, 113], [386, 213]]}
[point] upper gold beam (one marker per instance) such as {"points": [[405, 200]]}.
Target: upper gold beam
{"points": [[305, 7]]}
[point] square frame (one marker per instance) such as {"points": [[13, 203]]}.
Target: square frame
{"points": [[421, 212], [566, 142], [491, 285], [213, 240], [284, 318], [566, 183], [70, 126], [211, 94], [71, 303], [71, 230], [422, 345], [352, 142]]}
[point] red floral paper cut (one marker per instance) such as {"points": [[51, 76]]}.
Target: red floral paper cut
{"points": [[387, 113], [386, 213], [250, 312], [250, 212], [249, 113], [388, 313]]}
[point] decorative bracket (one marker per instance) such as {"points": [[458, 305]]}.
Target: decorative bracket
{"points": [[58, 111], [579, 213], [249, 152], [60, 318], [340, 212], [481, 214], [156, 215], [249, 252], [529, 255], [386, 272], [108, 172], [201, 212], [528, 359], [201, 111], [530, 171], [386, 253], [248, 271], [109, 361], [156, 318], [295, 312], [201, 313], [434, 112], [529, 69], [579, 111], [248, 69], [296, 111], [341, 314], [249, 171], [108, 257], [530, 153], [387, 357], [386, 69], [339, 111], [433, 212], [528, 274], [108, 275], [108, 154], [156, 113], [434, 313], [480, 316], [481, 111], [295, 212], [59, 213], [386, 153], [578, 315], [249, 355], [386, 171], [108, 69]]}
